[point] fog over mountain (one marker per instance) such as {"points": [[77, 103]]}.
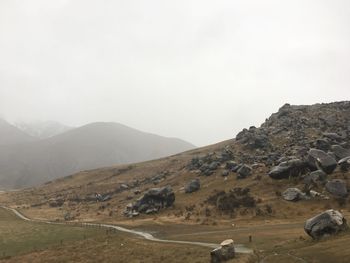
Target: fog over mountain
{"points": [[196, 69], [42, 129], [26, 161], [9, 134]]}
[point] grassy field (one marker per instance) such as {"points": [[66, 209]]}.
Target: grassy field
{"points": [[18, 236], [22, 241]]}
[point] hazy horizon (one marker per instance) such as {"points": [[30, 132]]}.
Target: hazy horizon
{"points": [[194, 70]]}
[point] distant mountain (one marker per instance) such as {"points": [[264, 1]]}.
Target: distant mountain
{"points": [[10, 134], [91, 146], [42, 129]]}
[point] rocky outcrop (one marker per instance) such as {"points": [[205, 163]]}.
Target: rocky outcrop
{"points": [[193, 186], [328, 223], [337, 188], [225, 252], [209, 163], [318, 159], [284, 170], [152, 201], [253, 138]]}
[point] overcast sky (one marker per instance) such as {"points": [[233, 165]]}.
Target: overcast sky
{"points": [[197, 70]]}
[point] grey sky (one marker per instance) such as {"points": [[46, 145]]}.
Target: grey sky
{"points": [[198, 70]]}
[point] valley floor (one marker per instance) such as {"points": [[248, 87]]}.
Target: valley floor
{"points": [[272, 242]]}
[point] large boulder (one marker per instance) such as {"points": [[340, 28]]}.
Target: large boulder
{"points": [[337, 187], [193, 186], [154, 199], [293, 194], [340, 152], [318, 159], [225, 252], [244, 171], [56, 202], [291, 168], [328, 223], [344, 164]]}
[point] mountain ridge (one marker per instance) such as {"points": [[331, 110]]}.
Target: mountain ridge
{"points": [[90, 146]]}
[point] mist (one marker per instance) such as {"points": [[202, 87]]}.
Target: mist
{"points": [[196, 70]]}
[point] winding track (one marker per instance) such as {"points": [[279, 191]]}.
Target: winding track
{"points": [[239, 248]]}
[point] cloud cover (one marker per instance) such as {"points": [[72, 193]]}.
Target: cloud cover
{"points": [[194, 69]]}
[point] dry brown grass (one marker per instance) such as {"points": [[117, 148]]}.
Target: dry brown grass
{"points": [[280, 231]]}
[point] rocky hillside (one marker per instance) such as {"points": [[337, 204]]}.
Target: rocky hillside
{"points": [[296, 163]]}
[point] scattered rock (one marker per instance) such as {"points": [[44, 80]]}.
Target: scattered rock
{"points": [[332, 136], [284, 170], [56, 202], [293, 194], [137, 191], [193, 186], [68, 216], [344, 164], [315, 194], [231, 165], [340, 152], [225, 252], [337, 187], [225, 173], [244, 171], [124, 186], [323, 144], [328, 223], [318, 159], [315, 177], [213, 166]]}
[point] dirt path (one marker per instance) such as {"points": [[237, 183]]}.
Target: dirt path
{"points": [[239, 248]]}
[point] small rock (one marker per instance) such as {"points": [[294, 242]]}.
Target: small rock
{"points": [[322, 144], [315, 176], [344, 164], [193, 186], [315, 194], [231, 165], [337, 187], [293, 194], [244, 172], [332, 136], [225, 173], [214, 165]]}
